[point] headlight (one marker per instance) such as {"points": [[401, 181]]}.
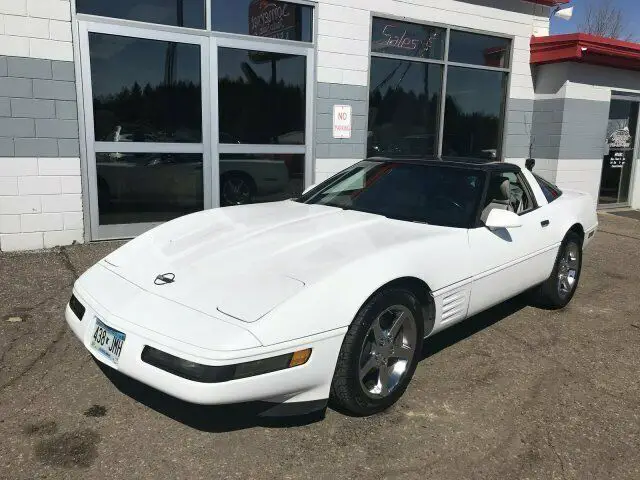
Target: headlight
{"points": [[212, 374]]}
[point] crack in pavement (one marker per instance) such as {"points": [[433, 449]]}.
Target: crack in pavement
{"points": [[620, 235], [557, 454], [68, 264], [66, 261]]}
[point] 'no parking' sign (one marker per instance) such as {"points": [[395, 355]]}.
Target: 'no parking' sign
{"points": [[342, 121]]}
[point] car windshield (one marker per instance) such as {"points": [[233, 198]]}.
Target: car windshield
{"points": [[426, 193]]}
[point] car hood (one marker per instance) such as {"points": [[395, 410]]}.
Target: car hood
{"points": [[244, 261]]}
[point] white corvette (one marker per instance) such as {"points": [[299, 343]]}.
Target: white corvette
{"points": [[329, 296]]}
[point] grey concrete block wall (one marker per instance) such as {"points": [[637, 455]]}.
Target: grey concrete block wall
{"points": [[518, 125], [568, 128], [328, 95], [558, 128], [546, 130], [584, 129], [38, 109]]}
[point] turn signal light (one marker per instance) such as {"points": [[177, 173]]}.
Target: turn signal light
{"points": [[300, 357], [224, 373]]}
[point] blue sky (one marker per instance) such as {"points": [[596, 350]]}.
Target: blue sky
{"points": [[630, 7]]}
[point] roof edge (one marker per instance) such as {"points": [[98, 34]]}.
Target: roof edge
{"points": [[585, 48], [549, 3]]}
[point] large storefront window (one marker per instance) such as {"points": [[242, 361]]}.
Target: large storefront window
{"points": [[211, 109], [413, 111], [147, 119], [620, 151]]}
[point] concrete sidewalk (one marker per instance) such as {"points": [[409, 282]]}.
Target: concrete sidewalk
{"points": [[516, 392]]}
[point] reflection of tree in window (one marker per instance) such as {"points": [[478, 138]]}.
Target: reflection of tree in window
{"points": [[403, 106], [261, 96], [145, 90], [162, 113], [473, 109]]}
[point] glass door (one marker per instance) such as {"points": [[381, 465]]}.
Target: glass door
{"points": [[620, 152], [147, 126], [262, 119]]}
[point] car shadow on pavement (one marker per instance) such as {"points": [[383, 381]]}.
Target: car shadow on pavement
{"points": [[207, 418], [473, 325]]}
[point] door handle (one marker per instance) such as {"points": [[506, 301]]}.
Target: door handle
{"points": [[545, 223]]}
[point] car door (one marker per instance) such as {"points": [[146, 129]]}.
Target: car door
{"points": [[507, 261]]}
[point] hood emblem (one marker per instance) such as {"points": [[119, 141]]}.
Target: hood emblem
{"points": [[165, 278]]}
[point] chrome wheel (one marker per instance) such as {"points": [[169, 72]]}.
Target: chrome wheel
{"points": [[568, 269], [387, 352]]}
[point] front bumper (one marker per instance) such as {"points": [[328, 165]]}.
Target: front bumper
{"points": [[305, 383]]}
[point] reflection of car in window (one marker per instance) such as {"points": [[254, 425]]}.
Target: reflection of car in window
{"points": [[246, 178]]}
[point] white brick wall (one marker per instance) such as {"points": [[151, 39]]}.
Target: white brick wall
{"points": [[326, 167], [36, 29], [40, 203]]}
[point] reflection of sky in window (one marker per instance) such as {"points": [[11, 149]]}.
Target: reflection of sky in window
{"points": [[476, 90], [410, 76], [119, 62]]}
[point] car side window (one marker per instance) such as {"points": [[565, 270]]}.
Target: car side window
{"points": [[550, 191], [520, 194], [507, 191]]}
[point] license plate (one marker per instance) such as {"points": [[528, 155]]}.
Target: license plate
{"points": [[107, 341]]}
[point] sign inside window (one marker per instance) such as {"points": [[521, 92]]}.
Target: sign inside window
{"points": [[617, 160], [407, 39], [274, 20], [620, 138]]}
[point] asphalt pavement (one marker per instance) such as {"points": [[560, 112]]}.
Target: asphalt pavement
{"points": [[515, 392]]}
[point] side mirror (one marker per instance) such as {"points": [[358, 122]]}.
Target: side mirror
{"points": [[502, 219], [309, 188]]}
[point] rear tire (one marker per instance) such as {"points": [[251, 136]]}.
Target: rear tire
{"points": [[379, 353], [558, 290]]}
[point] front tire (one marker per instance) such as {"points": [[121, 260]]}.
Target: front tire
{"points": [[379, 353], [558, 290]]}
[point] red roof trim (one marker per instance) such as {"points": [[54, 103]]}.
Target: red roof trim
{"points": [[590, 49]]}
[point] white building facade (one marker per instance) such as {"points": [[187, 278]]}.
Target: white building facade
{"points": [[117, 116]]}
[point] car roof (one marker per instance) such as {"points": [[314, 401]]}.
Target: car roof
{"points": [[475, 163]]}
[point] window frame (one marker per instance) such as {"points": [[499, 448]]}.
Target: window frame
{"points": [[445, 63]]}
